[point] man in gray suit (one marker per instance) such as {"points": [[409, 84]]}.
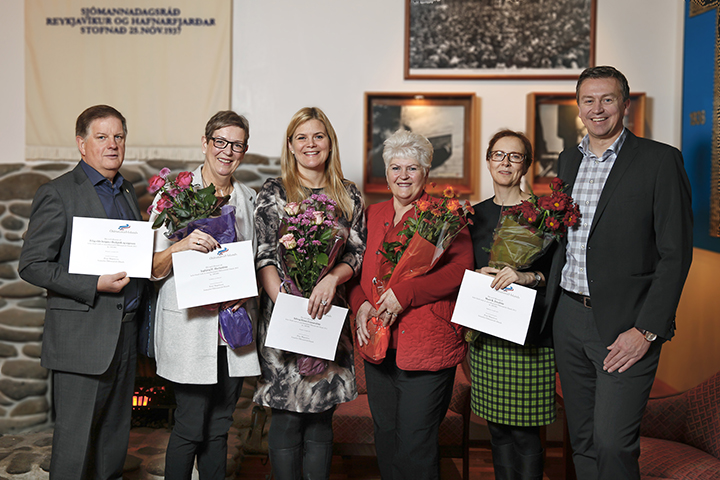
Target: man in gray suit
{"points": [[90, 335]]}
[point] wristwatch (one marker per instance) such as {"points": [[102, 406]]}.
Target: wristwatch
{"points": [[538, 279], [649, 336]]}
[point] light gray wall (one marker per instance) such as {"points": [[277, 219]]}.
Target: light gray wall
{"points": [[291, 53]]}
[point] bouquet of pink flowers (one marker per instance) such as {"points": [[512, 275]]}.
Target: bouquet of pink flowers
{"points": [[526, 230], [181, 203], [183, 207], [310, 241]]}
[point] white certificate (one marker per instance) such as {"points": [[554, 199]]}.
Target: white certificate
{"points": [[101, 246], [502, 313], [227, 273], [291, 328]]}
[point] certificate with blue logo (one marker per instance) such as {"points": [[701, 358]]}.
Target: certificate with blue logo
{"points": [[501, 313], [102, 246], [293, 330], [227, 273]]}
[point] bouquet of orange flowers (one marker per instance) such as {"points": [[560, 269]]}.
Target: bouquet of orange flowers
{"points": [[526, 230], [425, 236]]}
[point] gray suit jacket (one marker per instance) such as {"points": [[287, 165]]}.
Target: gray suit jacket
{"points": [[82, 326], [640, 245]]}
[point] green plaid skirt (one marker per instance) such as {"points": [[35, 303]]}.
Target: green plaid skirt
{"points": [[512, 384]]}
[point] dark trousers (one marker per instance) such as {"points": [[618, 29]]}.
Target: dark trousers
{"points": [[92, 416], [203, 416], [292, 429], [603, 409], [407, 408]]}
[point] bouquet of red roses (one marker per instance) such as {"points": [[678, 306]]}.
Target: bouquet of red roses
{"points": [[526, 230], [420, 244], [310, 240]]}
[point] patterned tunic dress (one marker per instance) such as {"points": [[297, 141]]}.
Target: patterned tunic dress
{"points": [[280, 385], [511, 384]]}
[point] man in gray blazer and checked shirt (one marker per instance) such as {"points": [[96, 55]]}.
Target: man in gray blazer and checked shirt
{"points": [[614, 287], [90, 334]]}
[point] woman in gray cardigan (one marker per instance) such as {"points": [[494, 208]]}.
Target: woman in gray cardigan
{"points": [[207, 374]]}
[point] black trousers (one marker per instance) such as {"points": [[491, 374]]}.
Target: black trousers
{"points": [[203, 416], [407, 408], [603, 409], [92, 416]]}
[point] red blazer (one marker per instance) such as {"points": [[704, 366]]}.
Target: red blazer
{"points": [[426, 340]]}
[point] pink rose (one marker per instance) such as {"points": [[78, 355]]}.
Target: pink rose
{"points": [[288, 241], [319, 217], [292, 208], [164, 172], [183, 180], [162, 204], [155, 183]]}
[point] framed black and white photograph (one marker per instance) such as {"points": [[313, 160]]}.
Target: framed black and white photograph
{"points": [[499, 39], [448, 120], [553, 125]]}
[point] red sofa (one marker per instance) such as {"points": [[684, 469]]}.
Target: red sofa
{"points": [[680, 434]]}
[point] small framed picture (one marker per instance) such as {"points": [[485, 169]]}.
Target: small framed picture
{"points": [[553, 125], [499, 39], [448, 120]]}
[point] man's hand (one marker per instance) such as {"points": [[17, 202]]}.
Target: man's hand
{"points": [[628, 348], [112, 283]]}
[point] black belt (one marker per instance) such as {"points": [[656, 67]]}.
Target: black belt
{"points": [[585, 300]]}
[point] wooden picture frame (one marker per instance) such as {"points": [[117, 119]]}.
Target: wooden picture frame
{"points": [[499, 39], [449, 120], [553, 125]]}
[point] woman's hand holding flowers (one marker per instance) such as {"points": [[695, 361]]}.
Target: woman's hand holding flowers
{"points": [[322, 296], [198, 241], [364, 314], [506, 276], [388, 308]]}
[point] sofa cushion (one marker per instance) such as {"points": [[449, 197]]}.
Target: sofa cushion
{"points": [[352, 422], [668, 459]]}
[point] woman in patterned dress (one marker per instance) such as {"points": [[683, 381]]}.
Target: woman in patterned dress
{"points": [[301, 436], [513, 385]]}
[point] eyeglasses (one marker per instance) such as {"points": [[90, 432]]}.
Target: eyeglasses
{"points": [[221, 143], [499, 156]]}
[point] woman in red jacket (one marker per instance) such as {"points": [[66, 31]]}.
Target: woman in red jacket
{"points": [[410, 389]]}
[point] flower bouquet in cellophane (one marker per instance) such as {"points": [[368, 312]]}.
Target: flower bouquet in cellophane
{"points": [[525, 231], [420, 244], [310, 241], [183, 207]]}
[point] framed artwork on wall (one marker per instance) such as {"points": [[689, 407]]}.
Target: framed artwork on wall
{"points": [[553, 125], [448, 120], [499, 39]]}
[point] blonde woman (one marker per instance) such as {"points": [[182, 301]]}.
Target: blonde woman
{"points": [[300, 438]]}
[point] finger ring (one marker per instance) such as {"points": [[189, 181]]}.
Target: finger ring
{"points": [[323, 302], [197, 243]]}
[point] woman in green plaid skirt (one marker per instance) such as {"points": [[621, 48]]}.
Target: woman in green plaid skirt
{"points": [[513, 385]]}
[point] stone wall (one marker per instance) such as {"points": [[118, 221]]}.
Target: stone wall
{"points": [[24, 384]]}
